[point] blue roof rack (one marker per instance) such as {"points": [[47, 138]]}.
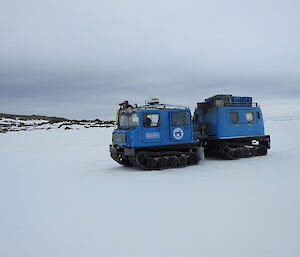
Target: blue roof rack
{"points": [[229, 100]]}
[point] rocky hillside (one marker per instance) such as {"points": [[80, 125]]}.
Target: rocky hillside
{"points": [[13, 122]]}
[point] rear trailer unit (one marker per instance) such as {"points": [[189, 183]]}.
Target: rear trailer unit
{"points": [[231, 127]]}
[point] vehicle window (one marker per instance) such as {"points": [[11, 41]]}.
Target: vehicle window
{"points": [[123, 120], [249, 116], [179, 119], [258, 115], [133, 120], [234, 117], [151, 120]]}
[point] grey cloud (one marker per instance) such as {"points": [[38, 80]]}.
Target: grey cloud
{"points": [[79, 59]]}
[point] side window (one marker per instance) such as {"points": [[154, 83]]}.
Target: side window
{"points": [[151, 120], [258, 114], [249, 116], [179, 119], [234, 116]]}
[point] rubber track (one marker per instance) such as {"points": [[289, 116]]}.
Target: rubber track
{"points": [[135, 160]]}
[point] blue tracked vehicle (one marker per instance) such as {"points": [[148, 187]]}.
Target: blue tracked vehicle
{"points": [[155, 136], [231, 127], [159, 136]]}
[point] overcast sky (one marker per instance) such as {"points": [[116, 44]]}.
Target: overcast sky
{"points": [[79, 59]]}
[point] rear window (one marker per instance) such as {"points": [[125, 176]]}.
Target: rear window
{"points": [[179, 119], [249, 116], [234, 116]]}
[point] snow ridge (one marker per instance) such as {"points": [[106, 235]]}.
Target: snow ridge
{"points": [[10, 123]]}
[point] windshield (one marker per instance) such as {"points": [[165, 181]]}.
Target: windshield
{"points": [[124, 120], [127, 120], [133, 119]]}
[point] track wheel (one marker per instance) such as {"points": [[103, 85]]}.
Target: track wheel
{"points": [[230, 154], [140, 158], [191, 159], [253, 151], [247, 152], [208, 152], [239, 153], [262, 150], [182, 160], [227, 153], [162, 163], [172, 162], [151, 164]]}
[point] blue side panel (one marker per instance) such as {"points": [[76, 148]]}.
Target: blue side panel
{"points": [[222, 125], [165, 133], [241, 127]]}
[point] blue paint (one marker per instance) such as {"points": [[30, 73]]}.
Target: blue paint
{"points": [[226, 116], [167, 132], [221, 126]]}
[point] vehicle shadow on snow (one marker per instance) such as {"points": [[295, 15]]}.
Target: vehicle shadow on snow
{"points": [[208, 160], [123, 169], [135, 170]]}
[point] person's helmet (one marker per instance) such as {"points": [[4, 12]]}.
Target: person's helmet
{"points": [[124, 103]]}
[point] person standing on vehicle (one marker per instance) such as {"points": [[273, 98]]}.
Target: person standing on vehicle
{"points": [[125, 105]]}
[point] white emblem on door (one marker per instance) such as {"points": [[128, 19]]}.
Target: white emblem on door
{"points": [[178, 133]]}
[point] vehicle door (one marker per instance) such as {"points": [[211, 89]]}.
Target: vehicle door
{"points": [[151, 127], [180, 125]]}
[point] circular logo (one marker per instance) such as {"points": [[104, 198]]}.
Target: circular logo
{"points": [[178, 133]]}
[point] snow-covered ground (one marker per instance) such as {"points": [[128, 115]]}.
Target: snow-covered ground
{"points": [[61, 195]]}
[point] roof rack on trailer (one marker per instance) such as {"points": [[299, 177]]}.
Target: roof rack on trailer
{"points": [[228, 100], [220, 103]]}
